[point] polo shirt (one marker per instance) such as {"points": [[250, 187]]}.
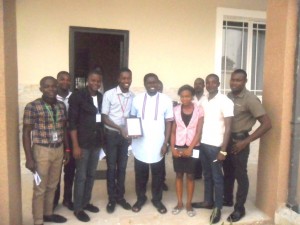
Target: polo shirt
{"points": [[117, 105], [247, 107], [41, 115], [153, 111], [215, 110]]}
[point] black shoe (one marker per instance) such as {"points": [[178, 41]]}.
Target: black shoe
{"points": [[110, 208], [82, 216], [160, 207], [139, 204], [68, 204], [124, 204], [197, 177], [165, 187], [202, 205], [54, 218], [227, 203], [215, 216], [236, 216], [91, 208]]}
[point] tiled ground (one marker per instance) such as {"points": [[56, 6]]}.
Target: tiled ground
{"points": [[148, 214]]}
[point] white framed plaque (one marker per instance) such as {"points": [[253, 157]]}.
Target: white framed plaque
{"points": [[134, 127]]}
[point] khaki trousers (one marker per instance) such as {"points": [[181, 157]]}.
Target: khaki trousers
{"points": [[48, 165]]}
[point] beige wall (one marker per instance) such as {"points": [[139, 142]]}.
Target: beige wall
{"points": [[10, 185], [173, 38], [273, 168]]}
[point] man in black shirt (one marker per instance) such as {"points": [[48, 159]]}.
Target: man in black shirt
{"points": [[86, 135]]}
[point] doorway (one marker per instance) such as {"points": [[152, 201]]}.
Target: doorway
{"points": [[105, 50]]}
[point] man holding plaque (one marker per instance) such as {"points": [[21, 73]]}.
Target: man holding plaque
{"points": [[155, 111], [115, 109]]}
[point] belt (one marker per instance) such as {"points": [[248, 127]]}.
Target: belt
{"points": [[240, 135], [111, 131], [51, 145]]}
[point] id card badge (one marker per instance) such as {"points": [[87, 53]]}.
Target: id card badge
{"points": [[54, 136], [123, 120], [196, 153], [98, 118]]}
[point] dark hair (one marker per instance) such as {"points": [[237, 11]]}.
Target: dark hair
{"points": [[124, 69], [199, 78], [150, 75], [241, 71], [42, 81], [92, 72], [214, 76], [62, 73], [186, 87]]}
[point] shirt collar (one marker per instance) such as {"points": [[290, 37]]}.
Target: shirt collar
{"points": [[67, 97], [119, 92], [240, 95]]}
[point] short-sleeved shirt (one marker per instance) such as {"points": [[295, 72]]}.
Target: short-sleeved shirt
{"points": [[247, 107], [215, 110], [40, 114], [153, 111], [117, 105]]}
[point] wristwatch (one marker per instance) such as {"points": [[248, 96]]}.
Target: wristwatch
{"points": [[223, 153]]}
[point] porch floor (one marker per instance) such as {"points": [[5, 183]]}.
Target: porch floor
{"points": [[148, 214]]}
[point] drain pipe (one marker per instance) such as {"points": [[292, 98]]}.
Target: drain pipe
{"points": [[292, 201]]}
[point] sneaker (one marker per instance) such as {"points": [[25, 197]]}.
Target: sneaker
{"points": [[110, 207], [82, 216], [91, 208], [54, 218]]}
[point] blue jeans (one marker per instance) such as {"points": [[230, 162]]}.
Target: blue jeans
{"points": [[213, 175], [84, 177], [117, 156]]}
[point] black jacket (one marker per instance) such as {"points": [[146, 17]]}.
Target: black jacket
{"points": [[82, 117]]}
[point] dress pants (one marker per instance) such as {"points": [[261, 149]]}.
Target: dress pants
{"points": [[48, 166], [235, 167], [116, 159], [142, 176]]}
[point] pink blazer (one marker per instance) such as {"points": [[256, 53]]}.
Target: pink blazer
{"points": [[185, 135]]}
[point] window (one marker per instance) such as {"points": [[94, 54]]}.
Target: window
{"points": [[242, 45]]}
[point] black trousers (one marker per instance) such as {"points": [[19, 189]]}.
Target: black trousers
{"points": [[198, 169], [69, 173], [141, 179], [235, 168]]}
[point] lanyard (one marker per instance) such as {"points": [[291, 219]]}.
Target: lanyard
{"points": [[156, 106], [123, 106], [50, 111]]}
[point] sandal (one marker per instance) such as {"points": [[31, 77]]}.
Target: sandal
{"points": [[160, 207], [191, 212], [176, 210], [138, 205]]}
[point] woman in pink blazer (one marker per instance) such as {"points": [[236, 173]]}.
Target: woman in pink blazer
{"points": [[185, 137]]}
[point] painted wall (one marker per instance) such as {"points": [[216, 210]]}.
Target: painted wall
{"points": [[173, 38]]}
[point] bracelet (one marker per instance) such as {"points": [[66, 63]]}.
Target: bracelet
{"points": [[68, 150], [223, 153]]}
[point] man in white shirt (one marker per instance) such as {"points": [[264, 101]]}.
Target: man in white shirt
{"points": [[116, 107], [218, 113], [63, 94], [198, 100], [156, 112]]}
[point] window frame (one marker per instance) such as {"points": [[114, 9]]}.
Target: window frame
{"points": [[239, 15]]}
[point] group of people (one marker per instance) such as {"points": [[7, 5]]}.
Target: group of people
{"points": [[208, 132]]}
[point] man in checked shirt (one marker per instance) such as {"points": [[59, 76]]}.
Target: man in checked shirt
{"points": [[44, 140]]}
